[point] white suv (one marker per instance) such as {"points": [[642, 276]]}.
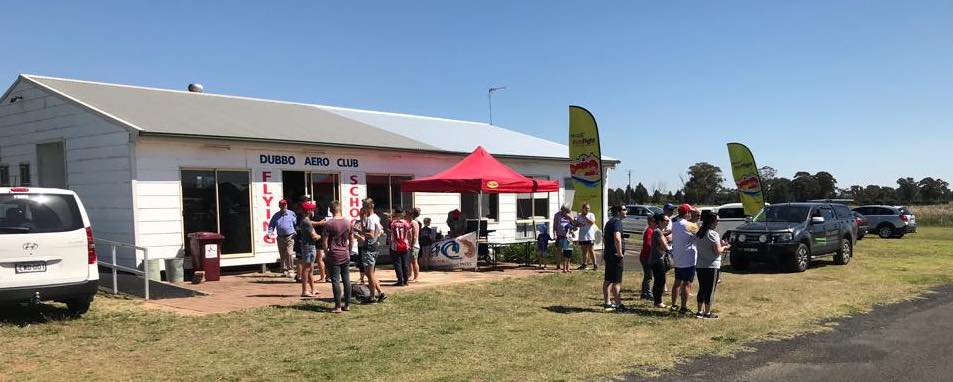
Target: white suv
{"points": [[46, 248]]}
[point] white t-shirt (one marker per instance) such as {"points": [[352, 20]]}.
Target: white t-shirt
{"points": [[587, 231], [684, 252]]}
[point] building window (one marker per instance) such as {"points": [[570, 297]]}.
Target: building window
{"points": [[4, 175], [218, 201], [25, 174], [490, 208], [387, 194], [531, 209]]}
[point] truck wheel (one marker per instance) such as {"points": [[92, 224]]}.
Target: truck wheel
{"points": [[885, 231], [78, 306], [800, 260], [845, 253], [739, 262]]}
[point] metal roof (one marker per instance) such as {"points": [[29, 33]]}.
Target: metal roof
{"points": [[153, 111]]}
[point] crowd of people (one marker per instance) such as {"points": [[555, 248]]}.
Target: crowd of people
{"points": [[682, 239], [686, 242], [332, 242]]}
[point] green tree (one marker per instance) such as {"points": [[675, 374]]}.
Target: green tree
{"points": [[704, 182], [641, 194], [826, 185], [779, 191], [804, 186], [629, 195], [657, 197], [934, 190], [908, 190]]}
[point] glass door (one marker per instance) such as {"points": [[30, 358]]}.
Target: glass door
{"points": [[218, 201], [324, 189]]}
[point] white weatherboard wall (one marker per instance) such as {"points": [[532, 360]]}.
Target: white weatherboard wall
{"points": [[97, 154], [158, 189]]}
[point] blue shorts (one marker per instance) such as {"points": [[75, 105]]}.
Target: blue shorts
{"points": [[308, 254], [685, 274], [564, 244]]}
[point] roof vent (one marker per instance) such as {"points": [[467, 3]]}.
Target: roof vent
{"points": [[196, 88]]}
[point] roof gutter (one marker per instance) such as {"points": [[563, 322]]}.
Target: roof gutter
{"points": [[143, 133]]}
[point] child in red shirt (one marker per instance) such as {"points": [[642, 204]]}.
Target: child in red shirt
{"points": [[651, 226]]}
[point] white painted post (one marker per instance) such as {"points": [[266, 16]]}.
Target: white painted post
{"points": [[115, 285], [145, 267]]}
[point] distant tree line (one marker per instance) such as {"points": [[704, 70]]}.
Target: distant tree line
{"points": [[705, 187]]}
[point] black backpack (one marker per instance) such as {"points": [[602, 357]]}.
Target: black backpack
{"points": [[361, 292]]}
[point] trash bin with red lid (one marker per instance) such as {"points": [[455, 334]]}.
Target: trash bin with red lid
{"points": [[205, 248]]}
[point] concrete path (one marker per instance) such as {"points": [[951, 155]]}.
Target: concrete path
{"points": [[909, 341], [255, 290]]}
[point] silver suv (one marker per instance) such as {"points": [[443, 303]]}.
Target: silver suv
{"points": [[636, 217], [889, 221]]}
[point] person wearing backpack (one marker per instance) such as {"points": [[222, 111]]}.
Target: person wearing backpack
{"points": [[400, 231], [428, 236]]}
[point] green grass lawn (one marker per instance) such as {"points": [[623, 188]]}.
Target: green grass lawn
{"points": [[538, 328]]}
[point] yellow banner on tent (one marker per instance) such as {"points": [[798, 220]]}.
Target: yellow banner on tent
{"points": [[745, 172], [585, 162]]}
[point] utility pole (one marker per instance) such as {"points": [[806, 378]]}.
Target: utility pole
{"points": [[630, 178], [489, 99]]}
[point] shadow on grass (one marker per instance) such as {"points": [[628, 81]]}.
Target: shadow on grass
{"points": [[769, 268], [562, 309], [28, 315]]}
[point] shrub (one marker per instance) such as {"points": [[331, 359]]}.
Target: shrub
{"points": [[934, 215]]}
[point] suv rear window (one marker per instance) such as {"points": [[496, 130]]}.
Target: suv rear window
{"points": [[905, 211], [842, 211], [38, 213], [731, 213]]}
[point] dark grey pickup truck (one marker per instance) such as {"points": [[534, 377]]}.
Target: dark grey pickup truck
{"points": [[792, 234]]}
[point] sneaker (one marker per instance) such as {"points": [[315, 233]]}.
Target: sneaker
{"points": [[684, 311], [620, 308], [595, 267], [711, 316], [381, 297], [581, 267], [699, 314], [661, 306], [609, 308]]}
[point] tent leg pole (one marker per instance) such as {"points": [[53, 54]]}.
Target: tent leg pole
{"points": [[479, 222]]}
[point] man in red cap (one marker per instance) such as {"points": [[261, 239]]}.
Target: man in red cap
{"points": [[684, 255], [282, 229]]}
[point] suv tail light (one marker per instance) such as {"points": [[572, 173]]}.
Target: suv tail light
{"points": [[90, 246], [859, 221], [904, 218]]}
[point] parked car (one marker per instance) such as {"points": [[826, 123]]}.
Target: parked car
{"points": [[792, 234], [889, 221], [862, 225], [636, 217], [46, 248], [730, 217]]}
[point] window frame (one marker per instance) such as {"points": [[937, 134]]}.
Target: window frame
{"points": [[29, 178], [218, 218], [390, 189], [5, 175]]}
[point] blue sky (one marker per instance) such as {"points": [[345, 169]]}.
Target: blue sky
{"points": [[863, 89]]}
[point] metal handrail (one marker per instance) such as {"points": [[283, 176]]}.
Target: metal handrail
{"points": [[116, 267]]}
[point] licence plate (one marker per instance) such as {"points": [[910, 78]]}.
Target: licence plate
{"points": [[749, 249], [31, 267]]}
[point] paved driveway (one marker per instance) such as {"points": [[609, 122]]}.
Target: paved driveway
{"points": [[910, 341]]}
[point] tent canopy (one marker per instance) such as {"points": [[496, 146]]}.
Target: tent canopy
{"points": [[479, 172]]}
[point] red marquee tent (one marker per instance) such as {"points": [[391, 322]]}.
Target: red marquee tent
{"points": [[481, 173]]}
